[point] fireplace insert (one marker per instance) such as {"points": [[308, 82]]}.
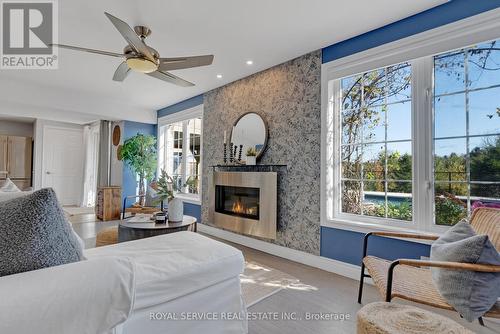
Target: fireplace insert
{"points": [[244, 202], [237, 201]]}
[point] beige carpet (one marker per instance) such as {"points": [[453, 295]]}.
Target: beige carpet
{"points": [[259, 282]]}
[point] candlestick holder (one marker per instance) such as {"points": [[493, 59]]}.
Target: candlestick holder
{"points": [[231, 155], [239, 153], [225, 153]]}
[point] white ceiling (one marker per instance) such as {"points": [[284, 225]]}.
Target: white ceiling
{"points": [[267, 32]]}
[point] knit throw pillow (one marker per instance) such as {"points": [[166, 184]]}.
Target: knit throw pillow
{"points": [[471, 293], [35, 234]]}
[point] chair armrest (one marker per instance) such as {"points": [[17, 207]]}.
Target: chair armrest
{"points": [[125, 202], [135, 196], [489, 268], [452, 265], [394, 235], [406, 235]]}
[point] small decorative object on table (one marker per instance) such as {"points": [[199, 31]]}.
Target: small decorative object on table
{"points": [[166, 189], [161, 217], [251, 154]]}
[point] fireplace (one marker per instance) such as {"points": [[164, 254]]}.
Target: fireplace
{"points": [[245, 202], [237, 201]]}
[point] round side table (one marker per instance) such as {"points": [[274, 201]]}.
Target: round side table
{"points": [[130, 230]]}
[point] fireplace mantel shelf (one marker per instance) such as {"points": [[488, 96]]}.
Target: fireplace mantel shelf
{"points": [[248, 168]]}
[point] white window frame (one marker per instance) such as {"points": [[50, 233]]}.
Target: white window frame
{"points": [[181, 116], [418, 50]]}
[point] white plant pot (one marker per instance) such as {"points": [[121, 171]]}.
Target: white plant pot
{"points": [[175, 210], [251, 160]]}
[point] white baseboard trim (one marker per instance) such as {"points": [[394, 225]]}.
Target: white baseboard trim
{"points": [[320, 262]]}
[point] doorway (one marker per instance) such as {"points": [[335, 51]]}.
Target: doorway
{"points": [[63, 163]]}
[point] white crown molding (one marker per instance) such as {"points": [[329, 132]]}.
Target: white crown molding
{"points": [[320, 262], [475, 29]]}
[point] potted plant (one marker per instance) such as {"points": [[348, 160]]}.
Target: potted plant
{"points": [[139, 152], [251, 156], [166, 188]]}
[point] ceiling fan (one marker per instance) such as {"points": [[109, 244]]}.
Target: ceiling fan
{"points": [[144, 59]]}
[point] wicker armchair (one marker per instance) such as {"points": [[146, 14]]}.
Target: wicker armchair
{"points": [[411, 279]]}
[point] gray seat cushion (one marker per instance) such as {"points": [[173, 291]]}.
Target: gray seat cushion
{"points": [[471, 293], [35, 234]]}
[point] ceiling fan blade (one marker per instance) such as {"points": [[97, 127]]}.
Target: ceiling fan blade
{"points": [[121, 72], [169, 64], [77, 48], [131, 37], [169, 77]]}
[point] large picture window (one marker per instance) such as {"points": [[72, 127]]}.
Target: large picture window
{"points": [[180, 137], [415, 144]]}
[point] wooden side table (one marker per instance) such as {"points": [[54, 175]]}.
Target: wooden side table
{"points": [[108, 204], [141, 227]]}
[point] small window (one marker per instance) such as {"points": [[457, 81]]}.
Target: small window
{"points": [[180, 152]]}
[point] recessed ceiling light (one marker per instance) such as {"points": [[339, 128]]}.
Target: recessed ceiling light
{"points": [[219, 76], [249, 62]]}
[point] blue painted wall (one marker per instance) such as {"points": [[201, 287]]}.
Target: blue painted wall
{"points": [[346, 246], [183, 105], [193, 210], [449, 12], [130, 129]]}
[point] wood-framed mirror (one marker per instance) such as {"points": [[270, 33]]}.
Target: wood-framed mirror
{"points": [[250, 130]]}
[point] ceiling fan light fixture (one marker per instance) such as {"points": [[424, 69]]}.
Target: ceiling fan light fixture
{"points": [[142, 65]]}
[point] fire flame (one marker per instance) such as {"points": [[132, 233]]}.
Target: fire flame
{"points": [[239, 207]]}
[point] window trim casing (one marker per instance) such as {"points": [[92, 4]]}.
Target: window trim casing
{"points": [[180, 116], [417, 50]]}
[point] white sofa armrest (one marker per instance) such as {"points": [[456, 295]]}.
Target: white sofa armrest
{"points": [[90, 296]]}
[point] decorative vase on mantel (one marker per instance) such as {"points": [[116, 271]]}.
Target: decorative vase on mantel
{"points": [[251, 156], [251, 160], [175, 210]]}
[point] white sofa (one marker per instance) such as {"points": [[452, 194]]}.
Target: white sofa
{"points": [[176, 283]]}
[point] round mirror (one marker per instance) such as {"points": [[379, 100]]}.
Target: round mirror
{"points": [[250, 130]]}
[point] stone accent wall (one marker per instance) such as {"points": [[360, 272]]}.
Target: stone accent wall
{"points": [[287, 96]]}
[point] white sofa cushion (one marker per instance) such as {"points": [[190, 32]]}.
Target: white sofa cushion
{"points": [[173, 265], [77, 298]]}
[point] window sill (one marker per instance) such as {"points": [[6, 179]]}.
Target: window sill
{"points": [[363, 227], [189, 199]]}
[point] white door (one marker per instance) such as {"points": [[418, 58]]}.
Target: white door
{"points": [[62, 163]]}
